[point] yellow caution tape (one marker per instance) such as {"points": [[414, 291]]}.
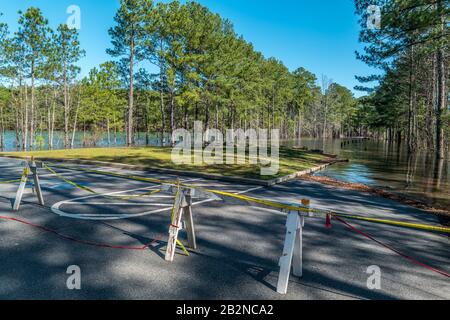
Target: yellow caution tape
{"points": [[94, 192], [274, 204], [126, 198], [118, 175], [10, 181], [341, 215], [268, 203], [183, 248], [396, 223], [173, 216], [26, 173]]}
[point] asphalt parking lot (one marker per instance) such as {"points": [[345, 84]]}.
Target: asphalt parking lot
{"points": [[239, 244]]}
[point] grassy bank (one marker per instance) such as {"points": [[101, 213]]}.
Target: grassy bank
{"points": [[291, 160]]}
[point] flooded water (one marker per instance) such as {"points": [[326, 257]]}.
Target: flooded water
{"points": [[82, 140], [380, 164], [374, 163]]}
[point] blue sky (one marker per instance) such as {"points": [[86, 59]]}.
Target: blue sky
{"points": [[318, 35]]}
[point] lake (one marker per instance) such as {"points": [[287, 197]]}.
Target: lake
{"points": [[91, 140], [380, 164], [374, 163]]}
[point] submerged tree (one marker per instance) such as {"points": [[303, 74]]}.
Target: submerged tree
{"points": [[412, 34]]}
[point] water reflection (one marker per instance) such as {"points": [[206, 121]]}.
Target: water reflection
{"points": [[373, 162], [85, 140], [378, 163]]}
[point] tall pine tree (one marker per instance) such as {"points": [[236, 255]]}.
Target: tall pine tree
{"points": [[128, 40]]}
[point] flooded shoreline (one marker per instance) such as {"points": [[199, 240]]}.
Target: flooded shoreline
{"points": [[443, 214], [374, 163], [382, 165]]}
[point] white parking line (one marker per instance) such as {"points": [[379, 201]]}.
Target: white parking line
{"points": [[56, 208], [130, 204], [47, 175], [95, 216]]}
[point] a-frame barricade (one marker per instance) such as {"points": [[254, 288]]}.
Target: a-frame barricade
{"points": [[30, 168]]}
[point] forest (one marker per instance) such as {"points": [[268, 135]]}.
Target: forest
{"points": [[411, 100], [175, 63]]}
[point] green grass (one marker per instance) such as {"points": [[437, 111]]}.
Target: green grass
{"points": [[291, 160]]}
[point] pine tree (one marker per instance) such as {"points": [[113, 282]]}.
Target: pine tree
{"points": [[33, 29], [67, 53], [128, 40], [410, 30]]}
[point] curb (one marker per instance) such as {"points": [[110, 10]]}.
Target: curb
{"points": [[264, 183], [302, 173]]}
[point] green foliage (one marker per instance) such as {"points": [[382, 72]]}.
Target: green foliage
{"points": [[33, 35], [129, 33], [40, 142], [410, 48], [101, 97], [63, 53], [204, 71], [3, 37]]}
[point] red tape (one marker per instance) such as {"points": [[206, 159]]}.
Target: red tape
{"points": [[84, 242], [158, 238], [411, 259]]}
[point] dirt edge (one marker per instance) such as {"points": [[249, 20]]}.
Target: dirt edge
{"points": [[442, 214]]}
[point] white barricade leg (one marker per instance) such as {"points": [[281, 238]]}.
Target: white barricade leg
{"points": [[189, 222], [297, 260], [298, 250], [175, 227], [292, 224], [37, 185], [20, 191]]}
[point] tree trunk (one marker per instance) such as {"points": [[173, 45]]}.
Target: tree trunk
{"points": [[52, 130], [147, 122], [2, 130], [441, 103], [66, 108], [411, 135], [185, 117], [32, 105], [300, 126], [207, 116], [72, 142], [25, 123], [431, 99], [108, 132], [161, 98], [217, 116], [196, 112], [172, 115], [49, 120], [130, 139], [325, 119], [17, 129], [115, 129]]}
